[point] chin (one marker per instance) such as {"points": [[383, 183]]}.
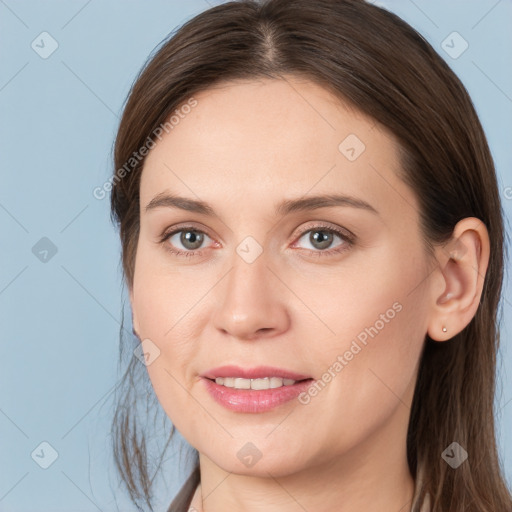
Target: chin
{"points": [[251, 461]]}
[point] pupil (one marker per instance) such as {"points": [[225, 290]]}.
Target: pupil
{"points": [[193, 238], [321, 238]]}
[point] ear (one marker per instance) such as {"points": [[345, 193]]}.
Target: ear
{"points": [[459, 280], [135, 322]]}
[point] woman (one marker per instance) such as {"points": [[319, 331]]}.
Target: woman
{"points": [[313, 245]]}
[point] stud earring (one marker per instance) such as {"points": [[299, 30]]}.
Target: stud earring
{"points": [[444, 329]]}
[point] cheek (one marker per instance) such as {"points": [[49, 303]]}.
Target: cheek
{"points": [[369, 379], [170, 372], [367, 368], [165, 316], [163, 295], [378, 298]]}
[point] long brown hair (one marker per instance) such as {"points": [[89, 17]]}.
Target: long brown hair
{"points": [[376, 62]]}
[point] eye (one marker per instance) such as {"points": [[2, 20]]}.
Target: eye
{"points": [[190, 238], [321, 237]]}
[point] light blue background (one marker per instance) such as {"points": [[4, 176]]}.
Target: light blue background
{"points": [[60, 319]]}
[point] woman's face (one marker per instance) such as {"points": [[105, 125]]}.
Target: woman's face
{"points": [[267, 276]]}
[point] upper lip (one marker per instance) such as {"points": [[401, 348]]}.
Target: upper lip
{"points": [[253, 373]]}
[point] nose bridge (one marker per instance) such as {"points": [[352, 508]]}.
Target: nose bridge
{"points": [[248, 283], [250, 300]]}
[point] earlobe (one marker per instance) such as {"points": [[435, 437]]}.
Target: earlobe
{"points": [[462, 267]]}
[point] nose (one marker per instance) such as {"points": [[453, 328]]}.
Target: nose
{"points": [[251, 301]]}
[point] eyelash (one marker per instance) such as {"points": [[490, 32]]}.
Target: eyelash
{"points": [[348, 239]]}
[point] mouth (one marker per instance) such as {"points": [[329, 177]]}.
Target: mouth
{"points": [[254, 390], [240, 383], [255, 373]]}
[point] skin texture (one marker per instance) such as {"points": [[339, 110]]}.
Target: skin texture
{"points": [[245, 147]]}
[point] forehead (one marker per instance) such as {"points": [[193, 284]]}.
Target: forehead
{"points": [[273, 138]]}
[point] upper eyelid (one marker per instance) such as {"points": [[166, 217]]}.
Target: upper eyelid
{"points": [[176, 229], [328, 226]]}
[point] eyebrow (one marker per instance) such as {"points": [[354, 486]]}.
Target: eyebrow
{"points": [[284, 208]]}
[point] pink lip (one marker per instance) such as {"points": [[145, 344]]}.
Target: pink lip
{"points": [[253, 373], [252, 400]]}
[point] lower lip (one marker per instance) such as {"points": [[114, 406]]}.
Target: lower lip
{"points": [[255, 400]]}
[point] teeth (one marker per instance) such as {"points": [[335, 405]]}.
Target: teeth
{"points": [[265, 383], [242, 383]]}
